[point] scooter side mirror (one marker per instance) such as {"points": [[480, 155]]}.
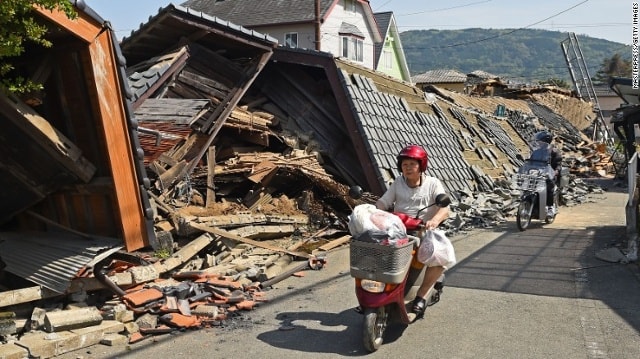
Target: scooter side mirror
{"points": [[443, 200], [355, 192]]}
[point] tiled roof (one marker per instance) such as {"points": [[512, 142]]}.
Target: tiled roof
{"points": [[388, 124], [439, 76], [145, 75], [483, 75], [260, 12], [167, 28], [346, 28]]}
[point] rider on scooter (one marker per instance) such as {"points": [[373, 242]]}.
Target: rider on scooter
{"points": [[411, 192], [549, 153]]}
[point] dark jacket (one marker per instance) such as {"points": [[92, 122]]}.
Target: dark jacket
{"points": [[555, 158]]}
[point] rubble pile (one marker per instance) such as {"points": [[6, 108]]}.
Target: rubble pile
{"points": [[276, 214], [223, 168]]}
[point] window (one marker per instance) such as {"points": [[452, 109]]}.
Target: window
{"points": [[291, 39], [386, 59], [352, 48], [350, 5]]}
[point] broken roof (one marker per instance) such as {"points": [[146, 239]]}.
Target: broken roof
{"points": [[439, 76], [484, 75], [624, 88], [253, 13], [173, 25]]}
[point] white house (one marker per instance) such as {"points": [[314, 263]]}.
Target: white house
{"points": [[344, 28]]}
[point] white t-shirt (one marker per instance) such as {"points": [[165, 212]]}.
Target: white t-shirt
{"points": [[409, 200]]}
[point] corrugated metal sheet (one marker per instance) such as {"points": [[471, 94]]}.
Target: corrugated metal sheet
{"points": [[52, 260]]}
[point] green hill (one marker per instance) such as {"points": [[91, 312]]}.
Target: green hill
{"points": [[522, 55]]}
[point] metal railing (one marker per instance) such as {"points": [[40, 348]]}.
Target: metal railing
{"points": [[631, 209]]}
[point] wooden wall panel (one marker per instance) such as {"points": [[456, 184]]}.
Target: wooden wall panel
{"points": [[119, 150]]}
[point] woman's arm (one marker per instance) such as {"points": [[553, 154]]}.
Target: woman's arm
{"points": [[441, 215]]}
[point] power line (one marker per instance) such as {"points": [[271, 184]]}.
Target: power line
{"points": [[446, 8], [602, 24], [383, 4], [510, 32]]}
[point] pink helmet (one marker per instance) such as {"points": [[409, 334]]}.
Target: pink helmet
{"points": [[413, 152]]}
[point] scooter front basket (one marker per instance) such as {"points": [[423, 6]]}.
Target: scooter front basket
{"points": [[378, 262], [530, 182]]}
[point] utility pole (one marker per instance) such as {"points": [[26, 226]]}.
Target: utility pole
{"points": [[318, 22]]}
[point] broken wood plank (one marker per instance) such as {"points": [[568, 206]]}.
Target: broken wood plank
{"points": [[184, 254], [211, 165], [238, 219], [171, 175], [254, 199], [226, 234], [334, 243], [264, 231], [261, 171]]}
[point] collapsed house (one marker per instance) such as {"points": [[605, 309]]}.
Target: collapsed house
{"points": [[216, 163]]}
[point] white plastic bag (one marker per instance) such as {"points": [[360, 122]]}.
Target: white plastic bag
{"points": [[436, 250], [370, 224]]}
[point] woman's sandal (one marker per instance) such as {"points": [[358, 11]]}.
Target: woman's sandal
{"points": [[419, 305]]}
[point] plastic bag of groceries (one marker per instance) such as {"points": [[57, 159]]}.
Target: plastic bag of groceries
{"points": [[436, 250], [370, 224]]}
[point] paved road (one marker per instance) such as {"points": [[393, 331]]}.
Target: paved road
{"points": [[535, 294]]}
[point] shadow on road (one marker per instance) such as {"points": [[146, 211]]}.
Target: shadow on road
{"points": [[554, 262], [315, 332]]}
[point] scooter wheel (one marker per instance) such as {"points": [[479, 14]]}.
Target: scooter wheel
{"points": [[375, 323], [523, 216]]}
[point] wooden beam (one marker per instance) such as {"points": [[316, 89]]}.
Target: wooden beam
{"points": [[229, 235], [83, 27], [226, 107], [211, 169]]}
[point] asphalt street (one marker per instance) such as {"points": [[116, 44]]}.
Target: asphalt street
{"points": [[541, 293]]}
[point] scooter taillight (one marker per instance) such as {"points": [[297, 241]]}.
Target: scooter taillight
{"points": [[373, 286]]}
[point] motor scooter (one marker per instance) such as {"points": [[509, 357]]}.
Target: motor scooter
{"points": [[533, 198], [532, 180], [387, 279]]}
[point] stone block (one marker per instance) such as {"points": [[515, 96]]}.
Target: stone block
{"points": [[12, 351], [69, 319], [147, 321], [38, 345], [204, 310], [131, 328], [114, 339]]}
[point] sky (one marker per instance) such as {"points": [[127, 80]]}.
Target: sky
{"points": [[604, 19]]}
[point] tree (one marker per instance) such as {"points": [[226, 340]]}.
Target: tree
{"points": [[18, 27], [614, 66]]}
